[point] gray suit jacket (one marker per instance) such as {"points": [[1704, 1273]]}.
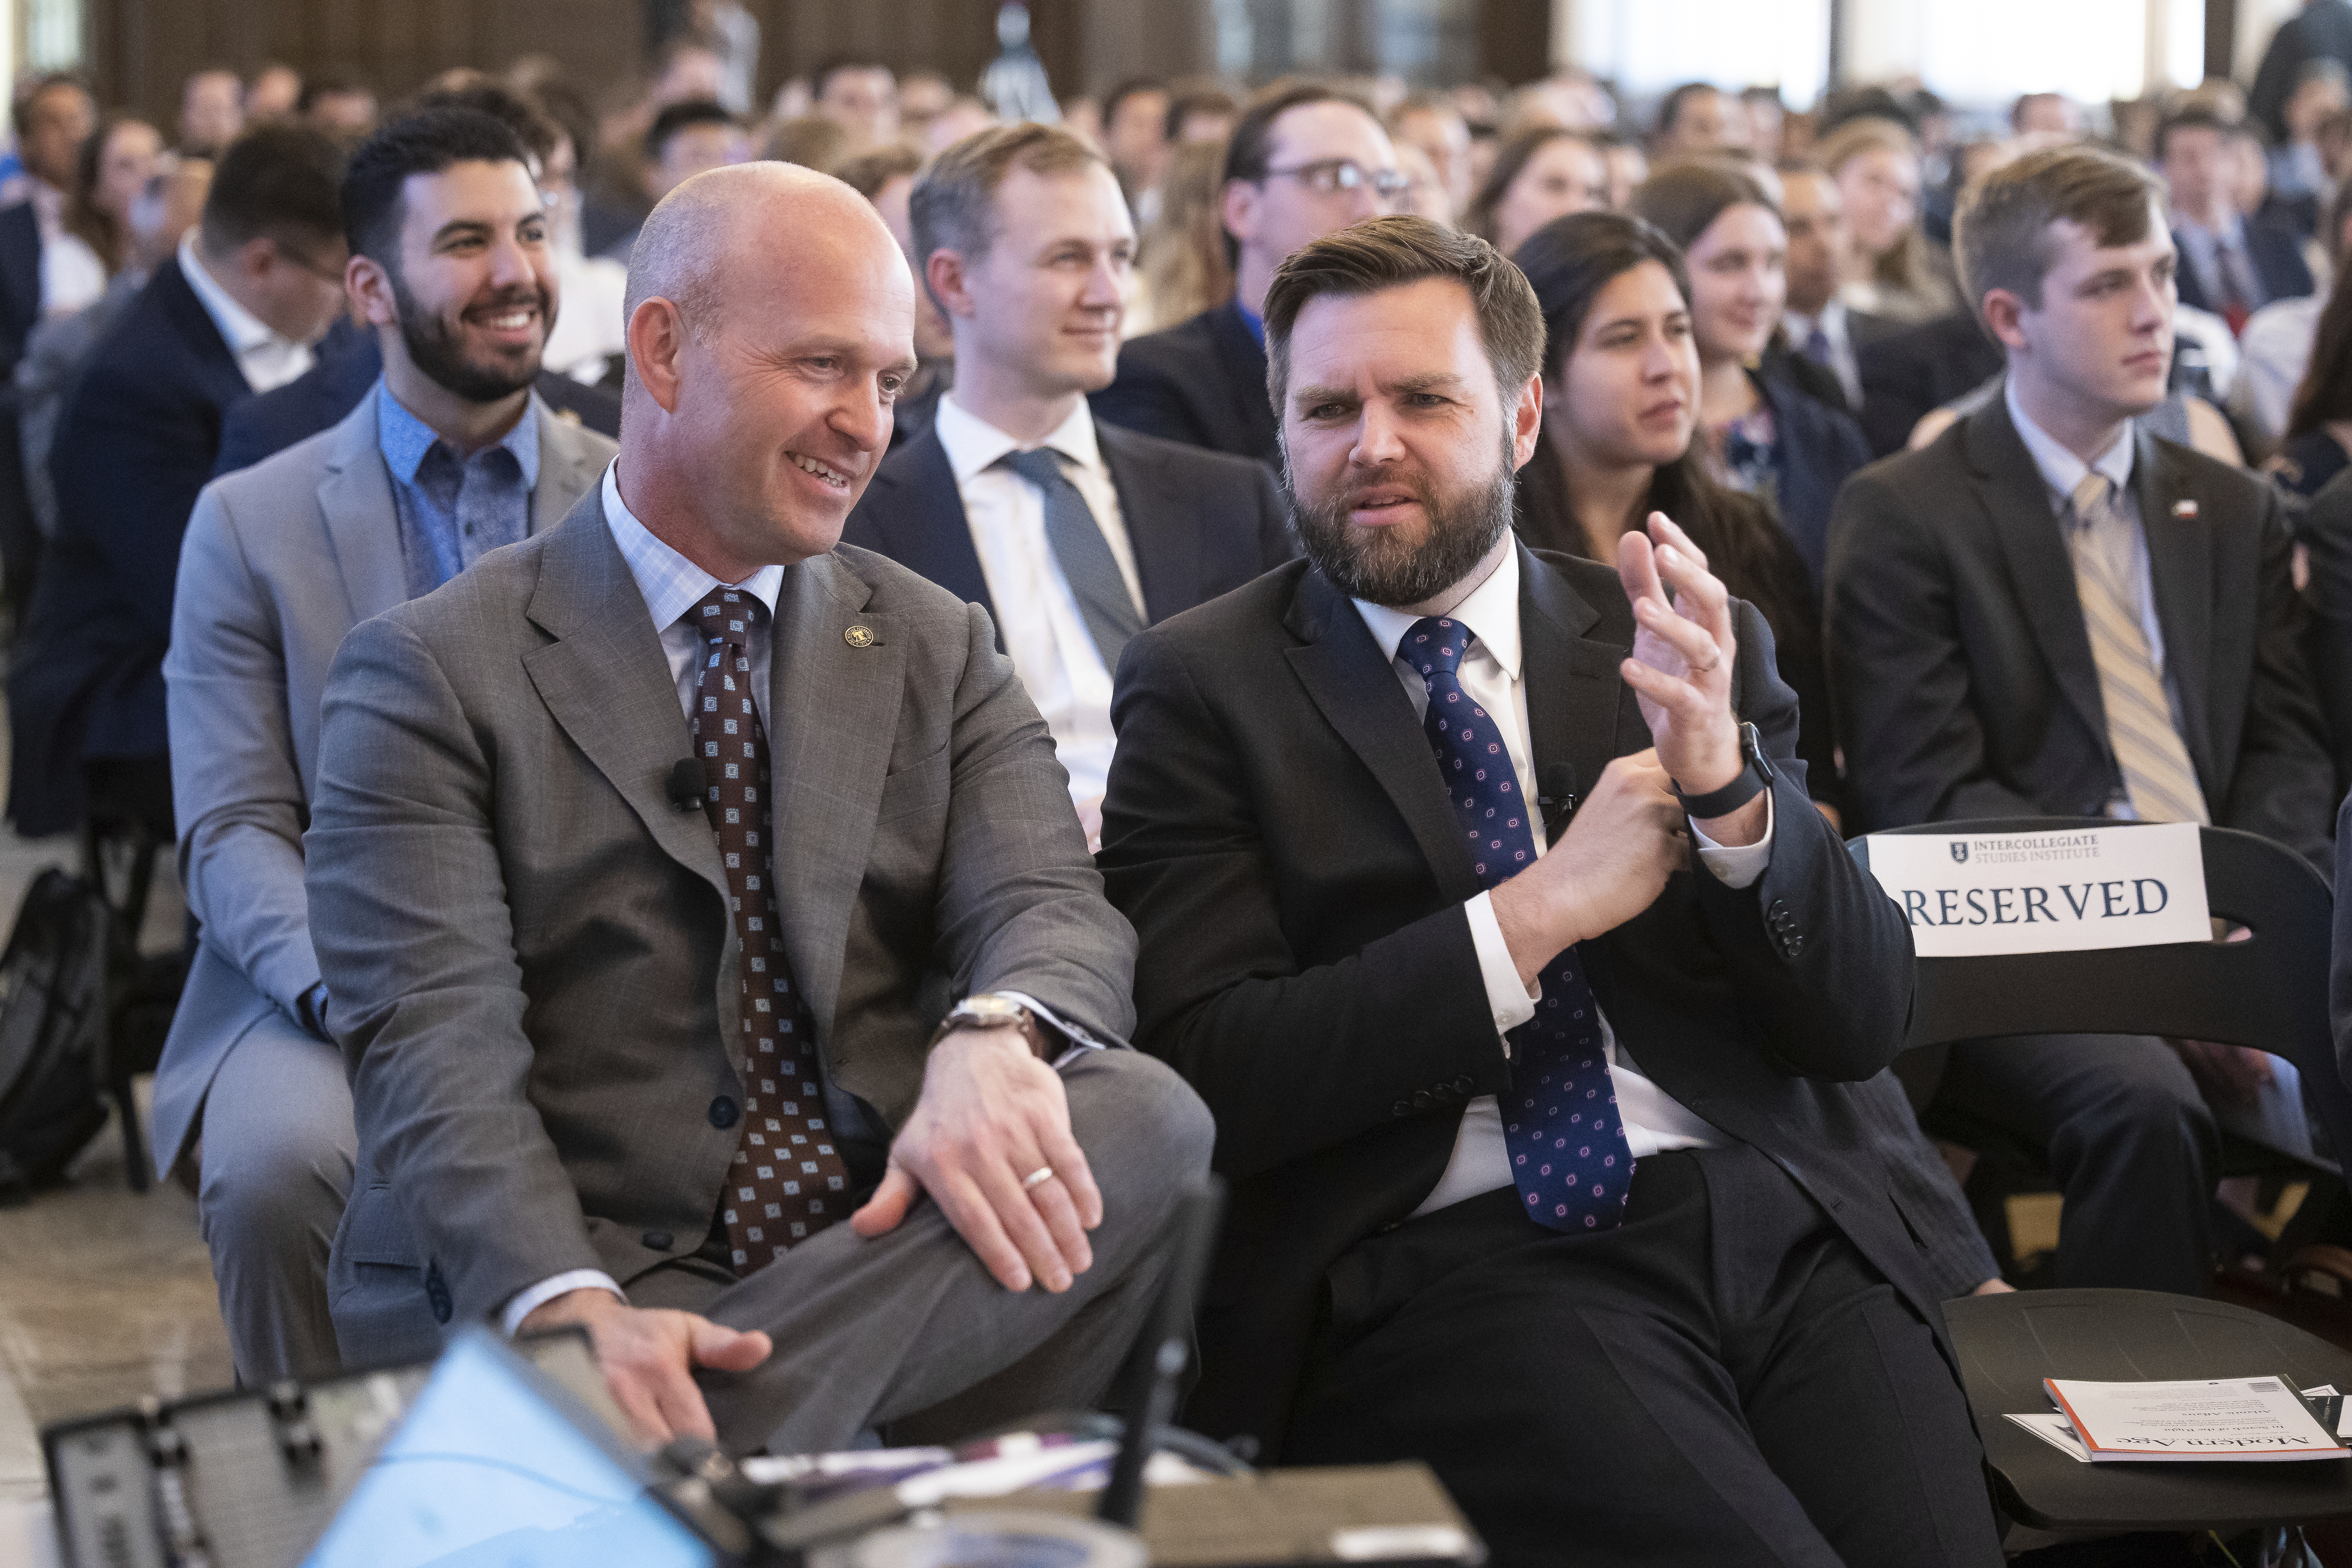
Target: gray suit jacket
{"points": [[280, 561], [530, 948]]}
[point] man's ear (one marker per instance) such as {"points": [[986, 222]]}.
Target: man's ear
{"points": [[2003, 313], [1526, 421], [656, 343], [369, 287], [1238, 209], [944, 274]]}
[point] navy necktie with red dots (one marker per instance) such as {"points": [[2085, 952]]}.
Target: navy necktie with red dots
{"points": [[786, 1183], [1567, 1144]]}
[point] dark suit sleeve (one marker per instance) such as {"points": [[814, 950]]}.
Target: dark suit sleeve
{"points": [[1145, 396], [128, 461], [1915, 748], [2285, 786], [1837, 1006], [1291, 1059]]}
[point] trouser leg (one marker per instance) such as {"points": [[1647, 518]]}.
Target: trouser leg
{"points": [[2131, 1144], [278, 1150], [910, 1324]]}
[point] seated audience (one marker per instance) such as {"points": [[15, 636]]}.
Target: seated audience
{"points": [[449, 457], [1693, 1325], [680, 1076], [886, 177], [1620, 440], [58, 348], [862, 98], [2317, 31], [2318, 437], [2046, 114], [1202, 114], [234, 312], [685, 139], [1892, 270], [1073, 536], [1697, 119], [1768, 121], [273, 92], [342, 108], [1425, 189], [1135, 140], [2047, 613], [1628, 167], [1766, 433], [2297, 171], [1185, 271], [1303, 161], [1815, 321], [111, 170], [2275, 353], [212, 112], [1426, 120], [1542, 173], [2230, 263]]}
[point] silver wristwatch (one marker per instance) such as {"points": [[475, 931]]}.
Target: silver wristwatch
{"points": [[989, 1010]]}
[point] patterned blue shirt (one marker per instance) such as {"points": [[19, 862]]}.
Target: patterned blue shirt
{"points": [[454, 510]]}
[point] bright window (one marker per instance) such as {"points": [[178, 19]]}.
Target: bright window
{"points": [[1649, 46]]}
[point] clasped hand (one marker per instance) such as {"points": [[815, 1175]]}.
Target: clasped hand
{"points": [[1628, 834], [991, 1114]]}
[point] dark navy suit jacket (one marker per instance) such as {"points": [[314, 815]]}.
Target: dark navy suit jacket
{"points": [[1820, 446], [133, 447], [1201, 382], [2277, 256], [1200, 523], [20, 282], [350, 359]]}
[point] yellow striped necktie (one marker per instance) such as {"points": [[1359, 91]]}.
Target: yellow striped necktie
{"points": [[2158, 778]]}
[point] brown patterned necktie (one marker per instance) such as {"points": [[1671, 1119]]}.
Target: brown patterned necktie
{"points": [[787, 1182]]}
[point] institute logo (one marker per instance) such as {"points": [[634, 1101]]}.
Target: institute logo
{"points": [[1960, 852]]}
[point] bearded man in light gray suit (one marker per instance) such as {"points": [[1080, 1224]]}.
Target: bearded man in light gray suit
{"points": [[449, 457], [646, 861]]}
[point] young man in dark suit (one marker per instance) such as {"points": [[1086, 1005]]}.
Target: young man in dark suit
{"points": [[1302, 163], [234, 313], [2044, 613], [1565, 1171], [2230, 264], [1074, 535]]}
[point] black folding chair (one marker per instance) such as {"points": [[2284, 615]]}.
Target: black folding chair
{"points": [[2268, 991]]}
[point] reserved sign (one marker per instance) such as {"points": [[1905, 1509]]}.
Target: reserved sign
{"points": [[2059, 892]]}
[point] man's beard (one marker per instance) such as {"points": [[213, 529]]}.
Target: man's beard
{"points": [[1376, 565], [434, 346]]}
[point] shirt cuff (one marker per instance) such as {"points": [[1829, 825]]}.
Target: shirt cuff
{"points": [[525, 1302], [1076, 1040], [1511, 1003], [1737, 865]]}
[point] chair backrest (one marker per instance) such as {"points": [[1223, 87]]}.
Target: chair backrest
{"points": [[2268, 991]]}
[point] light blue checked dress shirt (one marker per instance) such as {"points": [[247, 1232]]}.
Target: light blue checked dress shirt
{"points": [[453, 510]]}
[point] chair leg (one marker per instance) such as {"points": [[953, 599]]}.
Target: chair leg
{"points": [[134, 1139]]}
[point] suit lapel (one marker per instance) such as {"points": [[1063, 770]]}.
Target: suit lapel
{"points": [[2180, 571], [2017, 503], [1576, 699], [216, 362], [836, 681], [606, 682], [362, 523], [1357, 691], [918, 511], [1167, 551], [568, 467]]}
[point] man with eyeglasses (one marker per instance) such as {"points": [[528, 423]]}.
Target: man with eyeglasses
{"points": [[1303, 163], [234, 312]]}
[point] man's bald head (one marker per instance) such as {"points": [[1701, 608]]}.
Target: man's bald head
{"points": [[758, 216], [771, 321]]}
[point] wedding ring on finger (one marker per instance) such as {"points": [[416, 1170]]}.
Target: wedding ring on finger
{"points": [[1037, 1177]]}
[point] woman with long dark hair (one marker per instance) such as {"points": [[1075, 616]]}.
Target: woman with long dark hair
{"points": [[2318, 445], [1543, 173], [109, 174], [1620, 440]]}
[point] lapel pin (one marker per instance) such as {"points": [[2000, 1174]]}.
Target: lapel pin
{"points": [[2184, 508], [859, 637]]}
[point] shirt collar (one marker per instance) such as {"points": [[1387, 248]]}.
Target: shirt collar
{"points": [[2231, 233], [973, 445], [2060, 469], [405, 439], [49, 205], [239, 328], [670, 584], [1492, 613]]}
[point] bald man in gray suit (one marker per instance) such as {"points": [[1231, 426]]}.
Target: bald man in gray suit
{"points": [[646, 862]]}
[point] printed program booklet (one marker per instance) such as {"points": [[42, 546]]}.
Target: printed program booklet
{"points": [[2231, 1418]]}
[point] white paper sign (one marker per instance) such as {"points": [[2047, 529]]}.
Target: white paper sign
{"points": [[1968, 896]]}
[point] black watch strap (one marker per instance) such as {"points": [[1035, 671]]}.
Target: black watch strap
{"points": [[1751, 782]]}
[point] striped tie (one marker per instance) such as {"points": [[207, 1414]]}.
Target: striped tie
{"points": [[2157, 775]]}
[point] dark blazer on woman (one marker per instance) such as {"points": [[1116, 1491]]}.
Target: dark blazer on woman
{"points": [[1776, 583], [1820, 448]]}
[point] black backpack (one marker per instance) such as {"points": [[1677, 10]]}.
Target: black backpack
{"points": [[53, 1028]]}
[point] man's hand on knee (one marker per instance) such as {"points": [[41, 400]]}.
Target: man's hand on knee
{"points": [[992, 1115], [648, 1356]]}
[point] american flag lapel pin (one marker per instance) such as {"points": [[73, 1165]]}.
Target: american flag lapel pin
{"points": [[2184, 508]]}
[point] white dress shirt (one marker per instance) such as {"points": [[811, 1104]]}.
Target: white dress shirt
{"points": [[1492, 674], [2060, 471], [72, 277], [1838, 330], [1037, 613], [2274, 353], [266, 356]]}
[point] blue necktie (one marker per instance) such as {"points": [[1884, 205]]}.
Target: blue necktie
{"points": [[1568, 1156], [1084, 555]]}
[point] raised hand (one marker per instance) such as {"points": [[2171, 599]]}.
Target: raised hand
{"points": [[1682, 653]]}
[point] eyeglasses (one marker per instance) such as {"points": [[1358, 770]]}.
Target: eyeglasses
{"points": [[1346, 174]]}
